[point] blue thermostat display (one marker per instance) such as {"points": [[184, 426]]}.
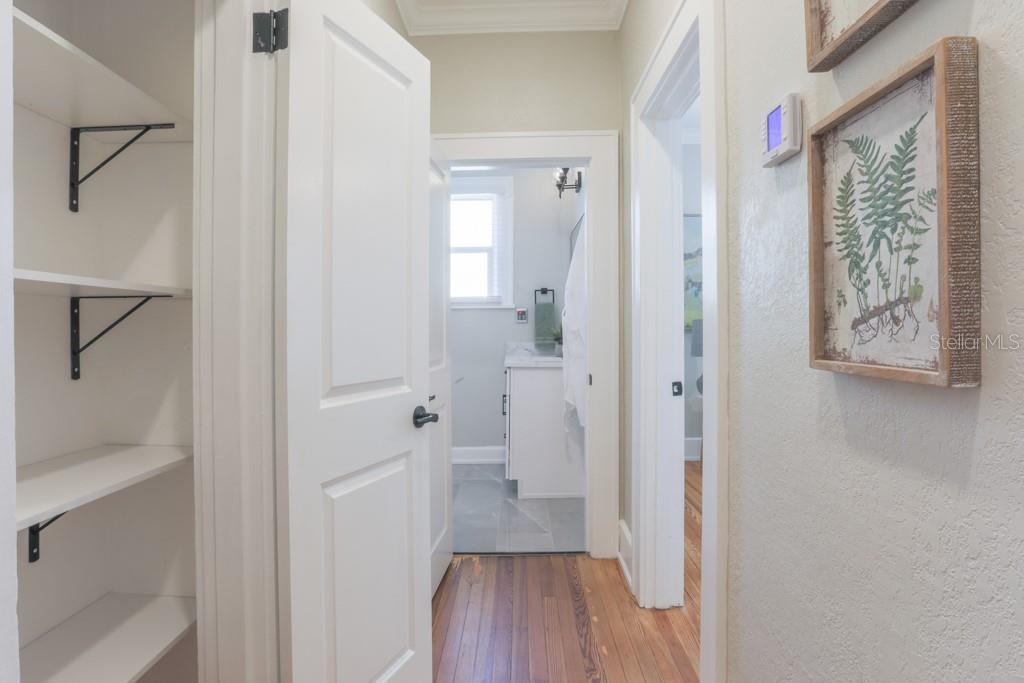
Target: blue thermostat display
{"points": [[782, 131], [775, 128]]}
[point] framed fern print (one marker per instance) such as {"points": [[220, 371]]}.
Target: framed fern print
{"points": [[838, 28], [895, 259]]}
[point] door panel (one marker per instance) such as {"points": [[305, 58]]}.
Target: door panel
{"points": [[440, 375], [366, 242], [383, 492], [355, 541]]}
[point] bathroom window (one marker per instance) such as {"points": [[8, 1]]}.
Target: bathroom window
{"points": [[481, 242]]}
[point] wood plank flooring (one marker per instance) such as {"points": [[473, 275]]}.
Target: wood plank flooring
{"points": [[555, 618]]}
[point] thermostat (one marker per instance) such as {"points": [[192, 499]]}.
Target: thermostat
{"points": [[782, 132]]}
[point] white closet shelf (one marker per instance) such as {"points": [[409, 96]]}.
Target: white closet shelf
{"points": [[116, 639], [62, 284], [52, 487], [57, 80]]}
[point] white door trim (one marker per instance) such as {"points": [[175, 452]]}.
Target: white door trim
{"points": [[599, 151], [9, 662], [689, 59], [233, 362]]}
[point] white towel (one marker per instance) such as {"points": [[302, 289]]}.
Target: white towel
{"points": [[574, 333]]}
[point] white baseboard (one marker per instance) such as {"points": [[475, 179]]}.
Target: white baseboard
{"points": [[532, 496], [626, 552], [692, 448], [478, 455]]}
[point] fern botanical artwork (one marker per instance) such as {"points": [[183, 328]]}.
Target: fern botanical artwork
{"points": [[881, 257], [895, 218]]}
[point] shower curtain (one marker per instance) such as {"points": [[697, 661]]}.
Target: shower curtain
{"points": [[574, 334]]}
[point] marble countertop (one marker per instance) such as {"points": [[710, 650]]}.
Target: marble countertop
{"points": [[532, 355]]}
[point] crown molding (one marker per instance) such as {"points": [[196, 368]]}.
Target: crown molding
{"points": [[424, 18]]}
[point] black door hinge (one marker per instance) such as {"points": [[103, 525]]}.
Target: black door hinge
{"points": [[677, 388], [270, 31]]}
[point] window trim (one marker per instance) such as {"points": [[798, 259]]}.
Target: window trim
{"points": [[502, 244]]}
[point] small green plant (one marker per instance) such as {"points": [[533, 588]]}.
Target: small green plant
{"points": [[556, 334], [880, 217]]}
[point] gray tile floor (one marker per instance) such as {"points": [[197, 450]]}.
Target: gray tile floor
{"points": [[489, 518]]}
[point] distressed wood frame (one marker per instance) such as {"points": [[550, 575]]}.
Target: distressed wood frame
{"points": [[955, 65], [823, 57]]}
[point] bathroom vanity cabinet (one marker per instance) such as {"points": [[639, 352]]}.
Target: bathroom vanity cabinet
{"points": [[542, 455]]}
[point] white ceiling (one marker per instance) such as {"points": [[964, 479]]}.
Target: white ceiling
{"points": [[438, 17]]}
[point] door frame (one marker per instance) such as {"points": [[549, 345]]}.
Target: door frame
{"points": [[233, 332], [441, 545], [599, 152], [9, 660], [689, 61]]}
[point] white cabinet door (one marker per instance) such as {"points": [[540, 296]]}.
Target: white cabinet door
{"points": [[542, 462], [505, 401], [440, 375], [352, 321]]}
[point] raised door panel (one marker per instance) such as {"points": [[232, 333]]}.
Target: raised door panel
{"points": [[366, 240], [370, 649]]}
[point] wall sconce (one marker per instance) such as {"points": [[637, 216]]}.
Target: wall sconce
{"points": [[561, 181]]}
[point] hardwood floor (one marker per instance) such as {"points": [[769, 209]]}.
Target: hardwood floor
{"points": [[691, 574], [554, 618]]}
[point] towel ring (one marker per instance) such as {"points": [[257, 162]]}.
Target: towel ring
{"points": [[543, 291]]}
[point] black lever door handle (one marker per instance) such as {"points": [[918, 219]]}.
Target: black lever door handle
{"points": [[420, 417]]}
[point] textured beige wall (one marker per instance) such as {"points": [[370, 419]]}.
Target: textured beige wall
{"points": [[523, 81], [642, 27], [877, 531]]}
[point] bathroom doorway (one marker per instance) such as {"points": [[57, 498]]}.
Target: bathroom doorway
{"points": [[522, 350], [517, 303]]}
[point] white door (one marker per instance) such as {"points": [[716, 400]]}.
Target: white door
{"points": [[354, 205], [440, 375]]}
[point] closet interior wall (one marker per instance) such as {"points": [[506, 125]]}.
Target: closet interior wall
{"points": [[134, 224]]}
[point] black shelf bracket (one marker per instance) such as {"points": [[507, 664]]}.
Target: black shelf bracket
{"points": [[76, 307], [33, 537], [75, 178]]}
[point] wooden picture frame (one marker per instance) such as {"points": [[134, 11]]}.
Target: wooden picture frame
{"points": [[846, 241], [826, 49]]}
